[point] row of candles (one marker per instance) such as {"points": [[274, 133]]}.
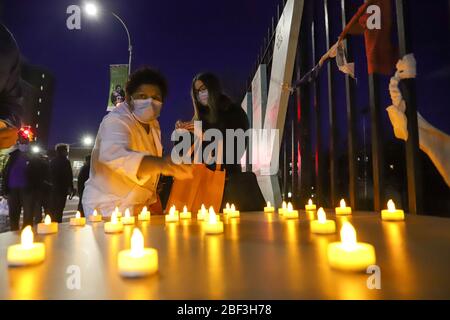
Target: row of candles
{"points": [[138, 261]]}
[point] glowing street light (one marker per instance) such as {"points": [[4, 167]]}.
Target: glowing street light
{"points": [[35, 149], [92, 10], [88, 141]]}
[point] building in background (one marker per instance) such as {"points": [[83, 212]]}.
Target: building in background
{"points": [[38, 89]]}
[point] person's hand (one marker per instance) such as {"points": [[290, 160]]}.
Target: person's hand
{"points": [[189, 125], [8, 137], [178, 171]]}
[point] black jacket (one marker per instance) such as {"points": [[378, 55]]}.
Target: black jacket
{"points": [[36, 172], [61, 175], [10, 91], [83, 176]]}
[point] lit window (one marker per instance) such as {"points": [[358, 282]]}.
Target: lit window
{"points": [[38, 112], [40, 100], [37, 125], [42, 88], [43, 75]]}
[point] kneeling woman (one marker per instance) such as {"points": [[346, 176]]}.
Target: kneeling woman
{"points": [[127, 157]]}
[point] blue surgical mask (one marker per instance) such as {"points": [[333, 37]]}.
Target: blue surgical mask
{"points": [[203, 97], [146, 110]]}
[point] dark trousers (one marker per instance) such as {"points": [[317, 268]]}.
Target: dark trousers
{"points": [[80, 204], [38, 203], [19, 199], [58, 203]]}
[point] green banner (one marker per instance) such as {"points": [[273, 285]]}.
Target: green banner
{"points": [[118, 79]]}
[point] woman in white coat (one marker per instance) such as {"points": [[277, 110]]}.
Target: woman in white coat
{"points": [[127, 158]]}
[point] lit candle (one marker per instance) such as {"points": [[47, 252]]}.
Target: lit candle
{"points": [[118, 213], [290, 213], [47, 227], [322, 225], [27, 252], [127, 219], [232, 212], [95, 217], [269, 208], [283, 208], [213, 225], [137, 261], [350, 255], [114, 225], [185, 214], [343, 210], [173, 215], [78, 220], [310, 206], [201, 213], [144, 215], [227, 208], [392, 214]]}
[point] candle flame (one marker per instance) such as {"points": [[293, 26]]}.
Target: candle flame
{"points": [[78, 215], [227, 206], [203, 208], [114, 217], [343, 204], [212, 216], [348, 236], [290, 208], [269, 204], [391, 205], [137, 243], [47, 219], [95, 213], [172, 211], [116, 210], [310, 202], [321, 215], [284, 205], [233, 208], [26, 237], [127, 213], [185, 209]]}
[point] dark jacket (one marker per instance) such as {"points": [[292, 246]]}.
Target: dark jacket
{"points": [[230, 116], [10, 92], [61, 175], [83, 176], [36, 172]]}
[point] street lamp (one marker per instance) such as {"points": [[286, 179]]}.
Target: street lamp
{"points": [[92, 10], [88, 141], [35, 149]]}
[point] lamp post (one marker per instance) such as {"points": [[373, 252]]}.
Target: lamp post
{"points": [[92, 10]]}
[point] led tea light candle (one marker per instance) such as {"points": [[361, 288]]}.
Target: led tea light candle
{"points": [[283, 208], [27, 252], [392, 214], [349, 255], [78, 221], [114, 225], [322, 225], [213, 225], [201, 215], [310, 206], [172, 216], [144, 215], [47, 227], [268, 208], [185, 214], [233, 213], [290, 213], [227, 208], [343, 210], [127, 219], [137, 261], [95, 217]]}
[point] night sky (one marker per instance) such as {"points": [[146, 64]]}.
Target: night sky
{"points": [[180, 38]]}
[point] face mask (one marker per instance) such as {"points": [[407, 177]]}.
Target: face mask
{"points": [[146, 110], [24, 147], [203, 97]]}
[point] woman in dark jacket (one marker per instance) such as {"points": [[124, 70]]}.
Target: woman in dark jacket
{"points": [[217, 111]]}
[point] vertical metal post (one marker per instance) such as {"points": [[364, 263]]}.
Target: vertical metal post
{"points": [[351, 120], [413, 165], [332, 115]]}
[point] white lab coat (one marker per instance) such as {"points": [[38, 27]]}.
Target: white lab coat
{"points": [[120, 145]]}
